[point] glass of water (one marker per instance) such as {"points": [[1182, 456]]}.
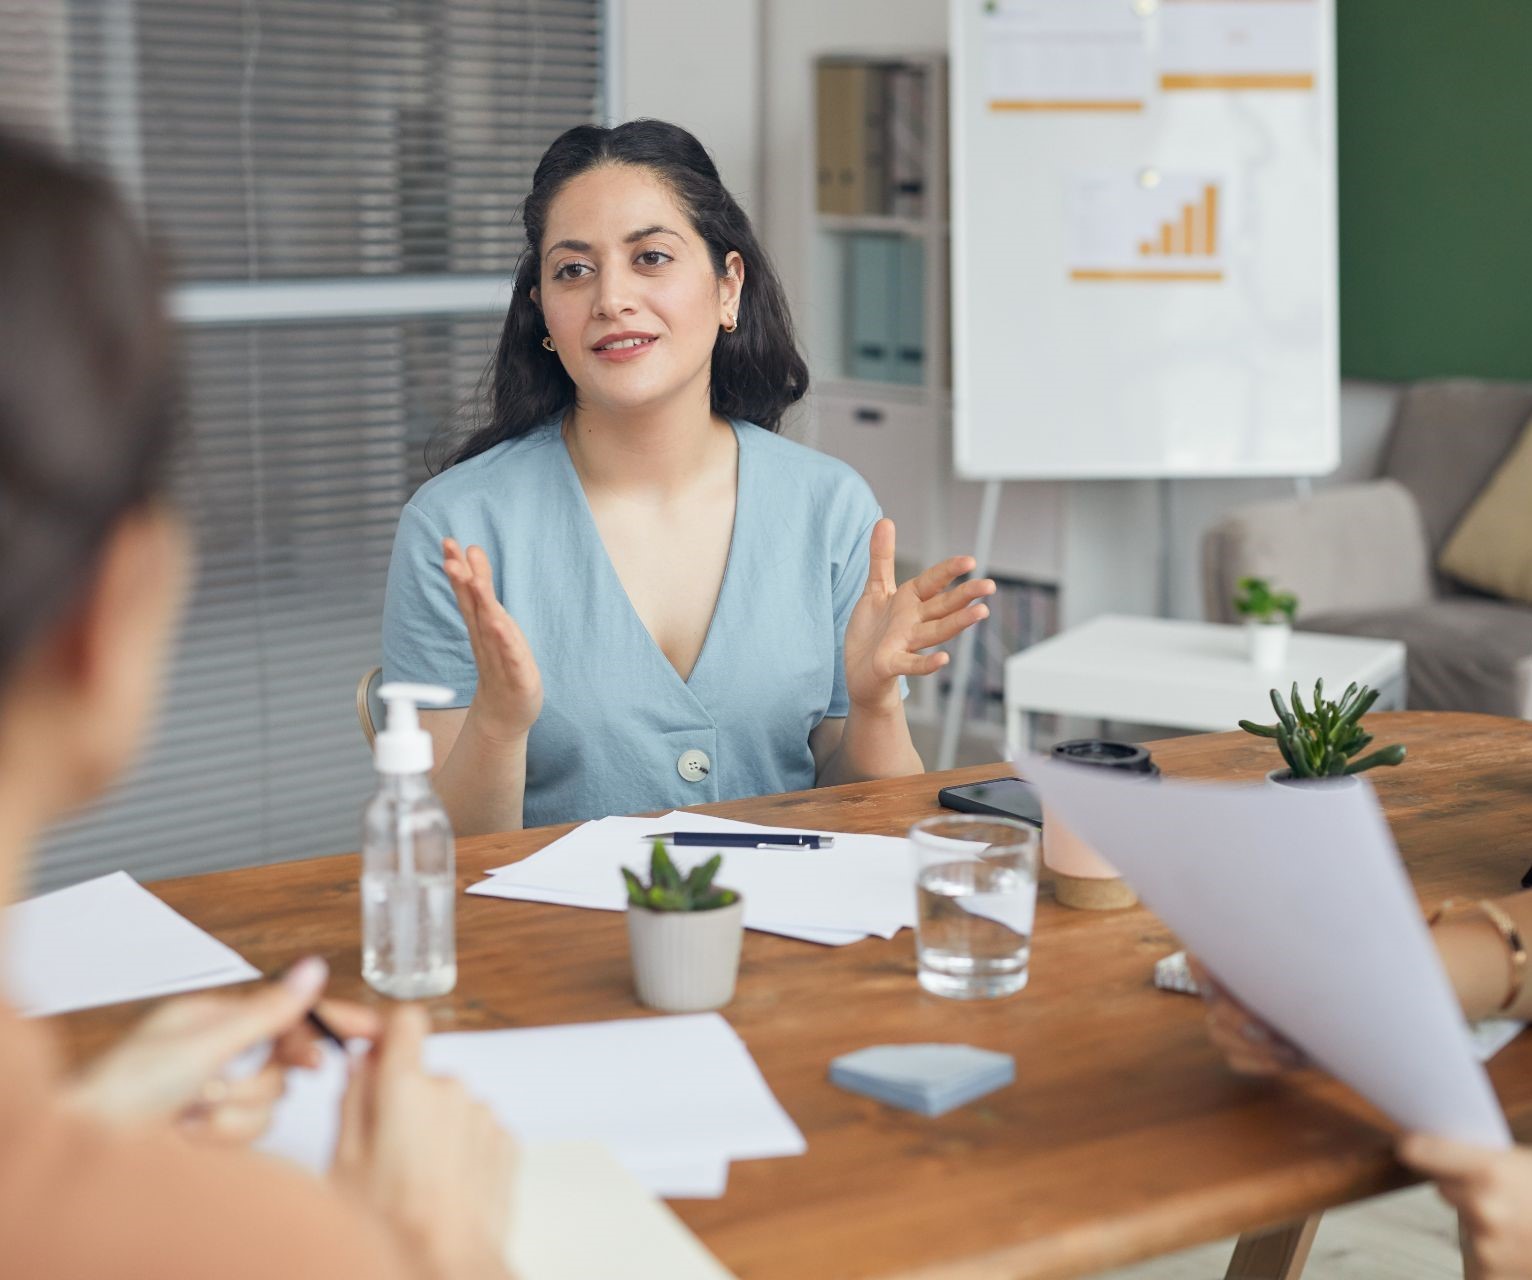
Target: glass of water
{"points": [[976, 882]]}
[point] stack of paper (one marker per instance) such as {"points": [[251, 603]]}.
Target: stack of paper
{"points": [[106, 941], [864, 885], [673, 1099]]}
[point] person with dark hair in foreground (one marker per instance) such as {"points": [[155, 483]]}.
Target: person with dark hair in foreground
{"points": [[136, 1168], [1484, 952], [641, 595]]}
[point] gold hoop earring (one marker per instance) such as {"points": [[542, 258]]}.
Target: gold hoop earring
{"points": [[548, 342], [732, 325]]}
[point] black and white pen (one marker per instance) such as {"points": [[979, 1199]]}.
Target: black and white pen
{"points": [[744, 839]]}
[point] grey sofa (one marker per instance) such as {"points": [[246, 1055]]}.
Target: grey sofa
{"points": [[1362, 557]]}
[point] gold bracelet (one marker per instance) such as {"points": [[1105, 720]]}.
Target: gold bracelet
{"points": [[1509, 934], [1514, 945]]}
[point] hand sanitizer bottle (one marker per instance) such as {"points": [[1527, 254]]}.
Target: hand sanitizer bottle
{"points": [[408, 870]]}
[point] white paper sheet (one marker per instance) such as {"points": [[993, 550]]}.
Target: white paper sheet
{"points": [[673, 1099], [864, 885], [1299, 903], [106, 941], [579, 1215], [496, 887], [1066, 55], [1253, 44]]}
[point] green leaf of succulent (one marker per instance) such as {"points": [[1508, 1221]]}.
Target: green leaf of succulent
{"points": [[1261, 730], [662, 871], [1387, 756], [701, 877], [635, 887]]}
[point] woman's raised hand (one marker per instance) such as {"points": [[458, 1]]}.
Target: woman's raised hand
{"points": [[893, 623], [510, 693]]}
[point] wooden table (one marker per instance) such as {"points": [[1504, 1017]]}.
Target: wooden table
{"points": [[1124, 1135]]}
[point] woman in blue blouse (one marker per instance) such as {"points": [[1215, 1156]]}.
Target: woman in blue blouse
{"points": [[661, 602]]}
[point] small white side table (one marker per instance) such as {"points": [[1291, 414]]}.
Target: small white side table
{"points": [[1183, 675]]}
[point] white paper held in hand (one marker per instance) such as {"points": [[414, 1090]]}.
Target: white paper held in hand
{"points": [[1298, 902]]}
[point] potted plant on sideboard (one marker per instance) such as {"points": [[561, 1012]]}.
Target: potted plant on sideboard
{"points": [[1321, 742], [684, 935], [1268, 615]]}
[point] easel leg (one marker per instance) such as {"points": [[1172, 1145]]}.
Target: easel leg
{"points": [[962, 661], [1276, 1254]]}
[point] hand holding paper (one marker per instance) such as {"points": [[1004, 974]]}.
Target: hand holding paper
{"points": [[1299, 904]]}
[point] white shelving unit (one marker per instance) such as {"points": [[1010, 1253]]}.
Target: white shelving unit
{"points": [[898, 435]]}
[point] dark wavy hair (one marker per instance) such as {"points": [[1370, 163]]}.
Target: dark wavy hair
{"points": [[88, 388], [757, 373]]}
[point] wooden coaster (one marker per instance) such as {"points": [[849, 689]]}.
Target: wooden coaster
{"points": [[1092, 894]]}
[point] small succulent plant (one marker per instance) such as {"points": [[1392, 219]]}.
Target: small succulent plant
{"points": [[1258, 601], [669, 890], [1321, 741]]}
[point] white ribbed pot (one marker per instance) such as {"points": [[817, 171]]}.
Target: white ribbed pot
{"points": [[1268, 643], [1284, 778], [686, 961]]}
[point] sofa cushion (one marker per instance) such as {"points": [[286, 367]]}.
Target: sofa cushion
{"points": [[1449, 438], [1462, 652], [1491, 548]]}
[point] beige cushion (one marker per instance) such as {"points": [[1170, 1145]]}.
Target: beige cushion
{"points": [[1491, 548]]}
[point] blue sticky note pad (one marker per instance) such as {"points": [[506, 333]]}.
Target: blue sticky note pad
{"points": [[931, 1079]]}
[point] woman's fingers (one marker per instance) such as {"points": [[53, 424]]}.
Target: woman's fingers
{"points": [[939, 577], [300, 1046], [929, 634], [880, 558], [959, 597], [1443, 1158], [916, 664]]}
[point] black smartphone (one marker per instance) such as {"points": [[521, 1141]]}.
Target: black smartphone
{"points": [[1004, 797]]}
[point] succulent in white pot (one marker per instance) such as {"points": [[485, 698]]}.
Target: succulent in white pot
{"points": [[684, 934], [1268, 615], [1322, 743]]}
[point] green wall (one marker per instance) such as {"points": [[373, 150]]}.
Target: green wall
{"points": [[1435, 107]]}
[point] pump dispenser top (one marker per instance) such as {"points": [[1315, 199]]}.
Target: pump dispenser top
{"points": [[403, 746]]}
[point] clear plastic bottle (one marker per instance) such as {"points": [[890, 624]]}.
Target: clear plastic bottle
{"points": [[408, 867]]}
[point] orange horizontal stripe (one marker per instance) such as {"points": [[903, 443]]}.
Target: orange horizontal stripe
{"points": [[1251, 81], [1084, 274], [1042, 105]]}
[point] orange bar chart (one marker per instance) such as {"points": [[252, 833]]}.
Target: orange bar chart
{"points": [[1191, 234]]}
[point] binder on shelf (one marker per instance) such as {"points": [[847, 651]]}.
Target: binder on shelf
{"points": [[910, 313], [851, 178], [827, 90], [839, 134], [905, 91], [873, 265]]}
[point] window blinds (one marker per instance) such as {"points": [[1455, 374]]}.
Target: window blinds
{"points": [[321, 143]]}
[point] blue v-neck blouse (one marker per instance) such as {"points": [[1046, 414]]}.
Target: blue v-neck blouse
{"points": [[620, 731]]}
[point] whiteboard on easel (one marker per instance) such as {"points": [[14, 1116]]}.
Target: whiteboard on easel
{"points": [[1144, 238]]}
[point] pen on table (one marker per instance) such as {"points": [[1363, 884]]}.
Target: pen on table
{"points": [[745, 839]]}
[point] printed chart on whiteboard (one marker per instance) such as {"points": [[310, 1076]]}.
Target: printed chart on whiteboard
{"points": [[1144, 238], [1148, 226]]}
